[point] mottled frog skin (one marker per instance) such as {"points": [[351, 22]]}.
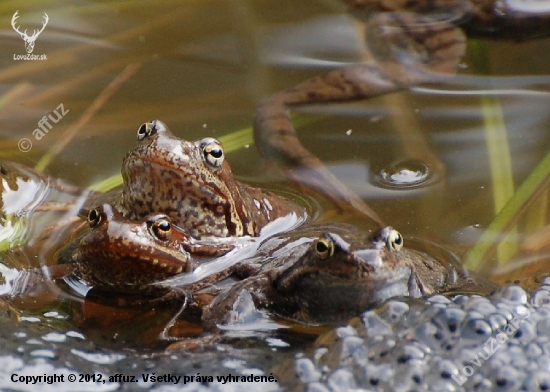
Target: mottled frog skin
{"points": [[192, 183]]}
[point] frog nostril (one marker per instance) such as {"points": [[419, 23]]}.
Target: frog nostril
{"points": [[370, 257]]}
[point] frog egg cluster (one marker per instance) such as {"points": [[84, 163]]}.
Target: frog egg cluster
{"points": [[463, 343]]}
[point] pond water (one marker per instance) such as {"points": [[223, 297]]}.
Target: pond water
{"points": [[202, 67]]}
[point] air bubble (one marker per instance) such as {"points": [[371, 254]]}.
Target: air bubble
{"points": [[404, 174]]}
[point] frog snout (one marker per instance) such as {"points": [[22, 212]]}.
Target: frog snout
{"points": [[369, 257]]}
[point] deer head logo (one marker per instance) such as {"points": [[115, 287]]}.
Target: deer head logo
{"points": [[29, 41]]}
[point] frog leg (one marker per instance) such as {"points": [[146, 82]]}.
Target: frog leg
{"points": [[164, 334], [416, 287], [231, 306]]}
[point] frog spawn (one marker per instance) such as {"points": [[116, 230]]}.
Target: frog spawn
{"points": [[466, 343]]}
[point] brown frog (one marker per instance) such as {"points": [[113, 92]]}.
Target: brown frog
{"points": [[120, 255], [328, 273], [192, 183], [409, 43]]}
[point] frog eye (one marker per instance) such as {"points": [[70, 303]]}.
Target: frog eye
{"points": [[145, 130], [162, 229], [395, 240], [213, 152], [94, 217], [324, 247]]}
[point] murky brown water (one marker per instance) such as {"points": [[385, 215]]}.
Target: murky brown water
{"points": [[203, 67]]}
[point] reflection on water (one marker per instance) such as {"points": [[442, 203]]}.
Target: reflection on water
{"points": [[205, 66]]}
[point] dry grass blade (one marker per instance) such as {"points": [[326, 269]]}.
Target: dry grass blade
{"points": [[69, 56], [18, 91], [71, 84], [88, 114]]}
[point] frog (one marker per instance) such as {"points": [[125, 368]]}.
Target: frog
{"points": [[407, 44], [316, 274], [125, 256], [324, 274], [192, 183]]}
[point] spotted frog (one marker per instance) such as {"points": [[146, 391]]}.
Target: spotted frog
{"points": [[327, 273], [193, 184]]}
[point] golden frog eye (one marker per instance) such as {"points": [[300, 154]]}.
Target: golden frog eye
{"points": [[162, 229], [94, 217], [213, 152], [395, 240], [324, 247], [145, 130]]}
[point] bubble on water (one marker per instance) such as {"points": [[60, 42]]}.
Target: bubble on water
{"points": [[404, 174]]}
